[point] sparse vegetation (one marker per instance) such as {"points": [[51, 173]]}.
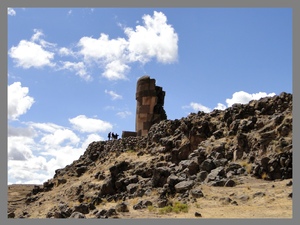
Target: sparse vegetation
{"points": [[143, 164], [177, 207], [166, 209], [131, 151], [264, 176], [151, 208], [247, 166]]}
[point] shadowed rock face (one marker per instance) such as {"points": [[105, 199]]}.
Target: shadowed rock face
{"points": [[150, 105]]}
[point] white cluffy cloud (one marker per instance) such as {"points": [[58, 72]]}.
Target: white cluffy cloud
{"points": [[19, 147], [38, 149], [155, 39], [244, 97], [66, 52], [18, 100], [33, 53], [60, 136], [237, 97], [113, 95], [89, 125], [11, 12], [79, 68]]}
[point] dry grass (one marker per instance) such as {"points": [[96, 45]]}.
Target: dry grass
{"points": [[151, 208], [246, 165], [264, 176], [275, 203], [176, 207]]}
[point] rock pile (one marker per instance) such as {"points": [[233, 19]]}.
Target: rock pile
{"points": [[203, 148]]}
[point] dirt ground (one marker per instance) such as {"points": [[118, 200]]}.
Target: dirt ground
{"points": [[253, 198]]}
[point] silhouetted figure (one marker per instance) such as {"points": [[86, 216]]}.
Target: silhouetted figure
{"points": [[113, 136], [116, 136], [109, 135]]}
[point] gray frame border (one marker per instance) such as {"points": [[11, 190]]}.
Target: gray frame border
{"points": [[161, 4]]}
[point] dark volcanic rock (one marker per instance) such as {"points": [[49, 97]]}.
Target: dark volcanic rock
{"points": [[218, 147], [197, 214], [122, 207], [196, 193], [201, 176], [230, 183], [77, 215], [82, 208], [107, 187], [11, 215], [207, 165], [80, 170], [216, 173], [131, 188], [184, 186], [160, 176], [142, 204]]}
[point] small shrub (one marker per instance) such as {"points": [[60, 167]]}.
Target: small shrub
{"points": [[131, 151], [151, 208], [166, 209], [247, 166], [177, 207], [264, 176], [180, 207]]}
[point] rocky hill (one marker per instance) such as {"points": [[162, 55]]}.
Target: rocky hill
{"points": [[173, 164]]}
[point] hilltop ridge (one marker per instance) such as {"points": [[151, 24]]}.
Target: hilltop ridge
{"points": [[178, 160]]}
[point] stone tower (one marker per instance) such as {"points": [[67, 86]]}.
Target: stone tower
{"points": [[150, 105]]}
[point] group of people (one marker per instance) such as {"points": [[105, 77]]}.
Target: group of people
{"points": [[112, 136]]}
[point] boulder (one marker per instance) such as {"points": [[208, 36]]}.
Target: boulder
{"points": [[122, 207], [216, 173], [197, 214], [107, 187], [207, 165], [11, 215], [80, 170], [82, 208], [233, 167], [184, 186], [201, 176], [160, 176], [131, 188], [230, 183], [142, 204], [77, 215], [196, 193]]}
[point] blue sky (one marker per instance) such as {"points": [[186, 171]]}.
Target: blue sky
{"points": [[72, 72]]}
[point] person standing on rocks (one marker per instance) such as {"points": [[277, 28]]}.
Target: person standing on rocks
{"points": [[109, 135]]}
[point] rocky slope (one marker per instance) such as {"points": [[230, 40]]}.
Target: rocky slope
{"points": [[172, 163]]}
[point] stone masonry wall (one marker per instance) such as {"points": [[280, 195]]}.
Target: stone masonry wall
{"points": [[150, 101]]}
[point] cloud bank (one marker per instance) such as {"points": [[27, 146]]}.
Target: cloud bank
{"points": [[89, 125], [18, 100], [237, 97], [155, 39], [36, 150]]}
